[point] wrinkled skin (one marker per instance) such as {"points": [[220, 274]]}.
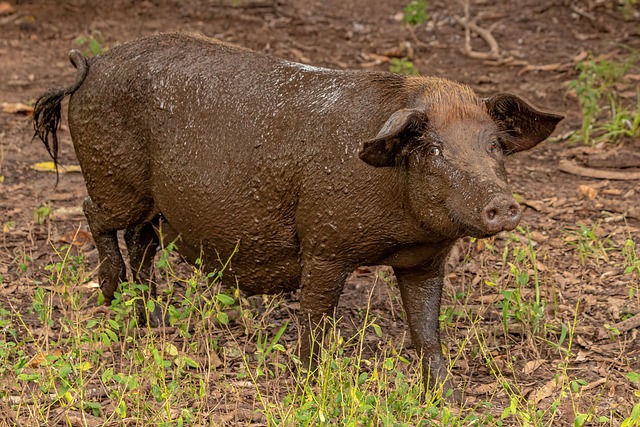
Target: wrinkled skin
{"points": [[310, 172]]}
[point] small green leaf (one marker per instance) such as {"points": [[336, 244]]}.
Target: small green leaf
{"points": [[225, 299], [634, 377], [222, 318]]}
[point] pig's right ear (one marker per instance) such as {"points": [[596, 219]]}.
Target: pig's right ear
{"points": [[393, 140]]}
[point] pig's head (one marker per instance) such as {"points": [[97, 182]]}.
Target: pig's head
{"points": [[451, 150]]}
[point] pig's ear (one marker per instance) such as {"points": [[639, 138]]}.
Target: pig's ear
{"points": [[402, 128], [525, 125]]}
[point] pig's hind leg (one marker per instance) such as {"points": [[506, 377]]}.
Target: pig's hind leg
{"points": [[112, 270], [142, 243], [105, 219]]}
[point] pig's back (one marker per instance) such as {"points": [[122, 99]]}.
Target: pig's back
{"points": [[221, 139]]}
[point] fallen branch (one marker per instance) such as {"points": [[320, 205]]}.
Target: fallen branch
{"points": [[573, 169], [627, 325], [414, 36], [469, 25]]}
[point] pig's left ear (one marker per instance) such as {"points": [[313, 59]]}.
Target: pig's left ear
{"points": [[394, 138], [525, 125]]}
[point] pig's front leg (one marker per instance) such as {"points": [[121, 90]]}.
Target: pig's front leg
{"points": [[421, 288], [322, 283]]}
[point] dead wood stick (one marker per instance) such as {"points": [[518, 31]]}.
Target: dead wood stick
{"points": [[469, 24], [573, 169], [627, 325], [414, 36]]}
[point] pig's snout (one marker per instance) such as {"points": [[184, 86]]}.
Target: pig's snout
{"points": [[502, 213]]}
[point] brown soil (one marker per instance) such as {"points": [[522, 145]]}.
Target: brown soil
{"points": [[539, 44]]}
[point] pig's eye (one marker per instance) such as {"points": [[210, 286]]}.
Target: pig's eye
{"points": [[494, 146], [433, 151]]}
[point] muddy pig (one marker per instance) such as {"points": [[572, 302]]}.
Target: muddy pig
{"points": [[310, 172]]}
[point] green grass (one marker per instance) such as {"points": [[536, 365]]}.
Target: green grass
{"points": [[606, 116], [224, 354]]}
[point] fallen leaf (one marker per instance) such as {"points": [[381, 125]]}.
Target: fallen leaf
{"points": [[534, 204], [581, 56], [51, 167], [582, 356], [92, 285], [587, 191], [538, 237], [532, 365], [76, 238], [41, 358], [17, 108], [64, 213], [485, 388], [83, 419], [6, 9], [547, 389], [594, 384], [300, 57]]}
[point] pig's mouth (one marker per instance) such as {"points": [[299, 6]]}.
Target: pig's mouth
{"points": [[472, 231], [466, 229]]}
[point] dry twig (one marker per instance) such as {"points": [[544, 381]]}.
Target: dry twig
{"points": [[471, 25], [627, 325], [570, 167]]}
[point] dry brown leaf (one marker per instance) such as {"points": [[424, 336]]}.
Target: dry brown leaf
{"points": [[64, 212], [300, 57], [40, 358], [77, 238], [486, 388], [17, 108], [538, 237], [77, 419], [534, 204], [547, 389], [587, 191], [594, 384], [581, 56], [378, 59], [532, 365], [92, 285], [6, 9]]}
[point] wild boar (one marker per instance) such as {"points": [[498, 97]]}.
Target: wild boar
{"points": [[310, 172]]}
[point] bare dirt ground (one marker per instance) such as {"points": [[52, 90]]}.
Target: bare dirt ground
{"points": [[539, 42]]}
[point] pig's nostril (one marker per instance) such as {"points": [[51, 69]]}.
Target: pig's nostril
{"points": [[500, 214]]}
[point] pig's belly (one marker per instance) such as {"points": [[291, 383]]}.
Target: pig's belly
{"points": [[260, 265]]}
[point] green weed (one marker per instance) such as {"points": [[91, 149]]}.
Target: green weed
{"points": [[222, 348], [92, 44], [588, 244], [595, 83], [629, 8], [403, 66], [415, 13], [41, 213]]}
